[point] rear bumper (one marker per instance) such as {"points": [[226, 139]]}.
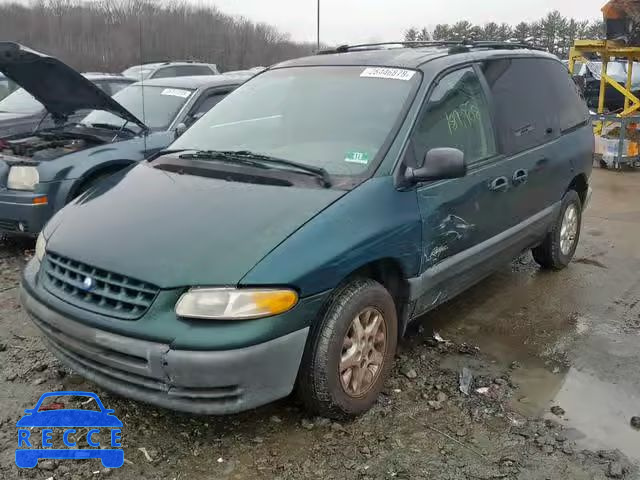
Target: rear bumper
{"points": [[203, 382], [19, 214]]}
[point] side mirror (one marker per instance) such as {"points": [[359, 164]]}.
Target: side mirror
{"points": [[181, 128], [439, 164]]}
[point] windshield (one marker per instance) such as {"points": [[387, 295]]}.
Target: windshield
{"points": [[20, 101], [138, 72], [336, 118], [161, 105]]}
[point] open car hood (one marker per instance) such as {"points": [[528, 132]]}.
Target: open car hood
{"points": [[60, 88]]}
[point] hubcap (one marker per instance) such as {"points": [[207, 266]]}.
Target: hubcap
{"points": [[569, 229], [363, 351]]}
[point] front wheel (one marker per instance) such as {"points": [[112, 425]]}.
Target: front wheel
{"points": [[351, 351], [560, 244]]}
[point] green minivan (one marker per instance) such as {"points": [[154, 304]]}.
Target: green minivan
{"points": [[289, 237]]}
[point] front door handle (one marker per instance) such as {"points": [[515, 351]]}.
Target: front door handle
{"points": [[520, 177], [500, 184]]}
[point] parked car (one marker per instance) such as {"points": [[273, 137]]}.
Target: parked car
{"points": [[290, 236], [590, 73], [41, 172], [20, 112], [170, 69], [250, 71]]}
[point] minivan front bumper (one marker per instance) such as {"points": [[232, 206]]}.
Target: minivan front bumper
{"points": [[20, 214], [202, 382]]}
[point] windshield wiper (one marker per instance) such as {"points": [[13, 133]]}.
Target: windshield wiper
{"points": [[259, 159], [219, 157]]}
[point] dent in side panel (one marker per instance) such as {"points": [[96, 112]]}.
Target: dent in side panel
{"points": [[450, 235]]}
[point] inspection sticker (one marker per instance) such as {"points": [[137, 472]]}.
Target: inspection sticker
{"points": [[174, 92], [390, 73], [357, 157]]}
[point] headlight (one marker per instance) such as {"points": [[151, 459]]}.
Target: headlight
{"points": [[23, 178], [41, 247], [234, 304]]}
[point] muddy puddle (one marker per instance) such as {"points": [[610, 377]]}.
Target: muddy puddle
{"points": [[573, 348]]}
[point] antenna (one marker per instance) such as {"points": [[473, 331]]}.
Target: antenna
{"points": [[318, 25], [144, 114]]}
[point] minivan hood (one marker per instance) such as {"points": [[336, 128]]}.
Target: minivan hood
{"points": [[175, 230], [60, 88]]}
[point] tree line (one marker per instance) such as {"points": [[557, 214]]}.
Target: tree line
{"points": [[110, 35], [554, 32]]}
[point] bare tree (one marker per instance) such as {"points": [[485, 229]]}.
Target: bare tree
{"points": [[110, 35]]}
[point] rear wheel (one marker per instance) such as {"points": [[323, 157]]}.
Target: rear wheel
{"points": [[560, 244], [351, 351]]}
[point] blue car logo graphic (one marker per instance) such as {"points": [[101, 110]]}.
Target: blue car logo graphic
{"points": [[98, 424]]}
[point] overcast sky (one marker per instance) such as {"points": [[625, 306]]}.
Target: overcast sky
{"points": [[351, 21]]}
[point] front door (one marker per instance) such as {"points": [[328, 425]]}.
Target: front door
{"points": [[461, 218]]}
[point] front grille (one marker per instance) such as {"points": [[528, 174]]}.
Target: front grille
{"points": [[109, 294], [9, 225]]}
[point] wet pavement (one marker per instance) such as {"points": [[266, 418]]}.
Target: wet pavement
{"points": [[575, 333], [535, 343]]}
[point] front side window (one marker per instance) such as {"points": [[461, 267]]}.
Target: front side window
{"points": [[117, 86], [204, 106], [4, 87], [20, 101], [157, 107], [456, 116], [139, 72], [336, 118]]}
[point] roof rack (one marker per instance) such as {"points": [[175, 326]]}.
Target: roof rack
{"points": [[456, 46], [164, 62]]}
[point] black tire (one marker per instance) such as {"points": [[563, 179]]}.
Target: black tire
{"points": [[319, 384], [549, 254]]}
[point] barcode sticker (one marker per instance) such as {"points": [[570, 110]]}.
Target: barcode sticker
{"points": [[174, 92], [388, 73]]}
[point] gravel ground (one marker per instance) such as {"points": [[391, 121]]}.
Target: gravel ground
{"points": [[535, 346]]}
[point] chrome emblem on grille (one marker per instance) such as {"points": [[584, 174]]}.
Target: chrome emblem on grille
{"points": [[88, 283]]}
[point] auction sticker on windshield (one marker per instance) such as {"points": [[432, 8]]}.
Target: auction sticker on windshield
{"points": [[175, 92], [389, 73], [357, 157]]}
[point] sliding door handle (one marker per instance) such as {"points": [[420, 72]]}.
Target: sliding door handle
{"points": [[500, 184], [520, 177]]}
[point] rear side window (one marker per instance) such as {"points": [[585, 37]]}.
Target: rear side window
{"points": [[166, 72], [456, 115], [188, 70], [535, 101], [573, 111], [182, 71]]}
